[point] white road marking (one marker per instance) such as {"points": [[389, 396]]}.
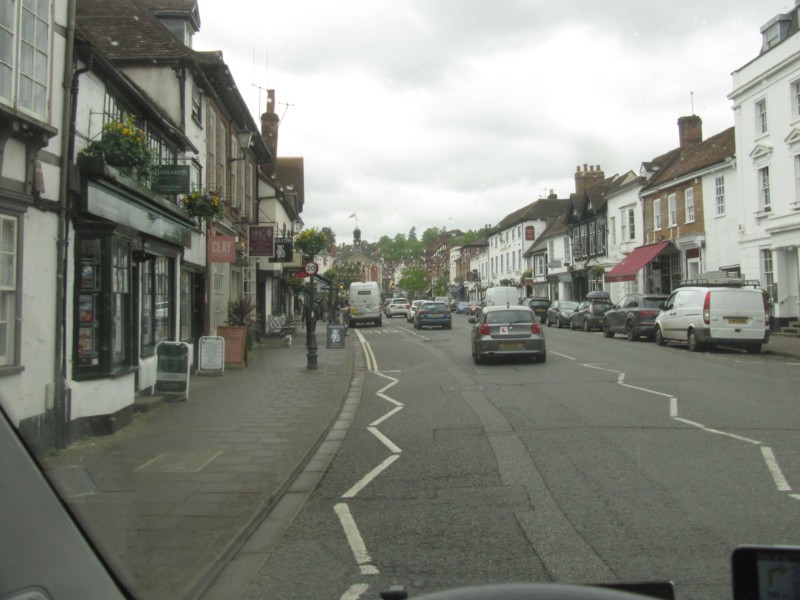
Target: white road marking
{"points": [[562, 355], [367, 479], [393, 448], [363, 559], [387, 415], [717, 431], [355, 591], [775, 470]]}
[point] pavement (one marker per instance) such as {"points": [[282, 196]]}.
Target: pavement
{"points": [[173, 497], [184, 499]]}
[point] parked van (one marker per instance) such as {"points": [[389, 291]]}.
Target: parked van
{"points": [[730, 314], [365, 303], [501, 296]]}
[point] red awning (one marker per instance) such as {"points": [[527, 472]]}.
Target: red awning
{"points": [[633, 263]]}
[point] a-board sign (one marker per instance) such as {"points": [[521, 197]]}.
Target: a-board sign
{"points": [[335, 336], [173, 361], [212, 355], [235, 344]]}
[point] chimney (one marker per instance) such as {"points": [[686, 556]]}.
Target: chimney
{"points": [[269, 129], [690, 131], [590, 176]]}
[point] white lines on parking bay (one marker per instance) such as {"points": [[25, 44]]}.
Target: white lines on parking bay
{"points": [[781, 483], [348, 522], [563, 355]]}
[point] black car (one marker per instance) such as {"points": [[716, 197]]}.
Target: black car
{"points": [[539, 307], [634, 316], [559, 312], [589, 313]]}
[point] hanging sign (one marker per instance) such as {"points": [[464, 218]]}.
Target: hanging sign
{"points": [[261, 240], [170, 179], [283, 250], [221, 249], [530, 233]]}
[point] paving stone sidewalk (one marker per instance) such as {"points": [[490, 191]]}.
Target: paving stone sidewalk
{"points": [[171, 496]]}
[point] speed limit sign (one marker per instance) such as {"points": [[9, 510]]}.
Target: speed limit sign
{"points": [[311, 268]]}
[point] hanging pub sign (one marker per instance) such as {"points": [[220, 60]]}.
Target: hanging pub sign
{"points": [[221, 249], [261, 240], [283, 250], [170, 179], [530, 233]]}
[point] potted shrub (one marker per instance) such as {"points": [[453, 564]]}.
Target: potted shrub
{"points": [[311, 241], [241, 314], [124, 146], [204, 204]]}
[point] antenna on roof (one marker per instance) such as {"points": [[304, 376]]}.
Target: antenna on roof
{"points": [[691, 99]]}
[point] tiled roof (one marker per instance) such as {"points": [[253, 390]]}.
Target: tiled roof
{"points": [[682, 161], [541, 210], [597, 194]]}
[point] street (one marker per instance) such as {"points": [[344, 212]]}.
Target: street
{"points": [[613, 461]]}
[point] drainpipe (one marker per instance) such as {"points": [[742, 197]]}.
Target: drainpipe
{"points": [[61, 404]]}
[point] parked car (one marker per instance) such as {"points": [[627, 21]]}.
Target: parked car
{"points": [[634, 316], [559, 312], [412, 308], [461, 307], [539, 307], [396, 306], [433, 314], [507, 331], [589, 314], [729, 314]]}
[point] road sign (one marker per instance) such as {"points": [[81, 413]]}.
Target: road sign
{"points": [[311, 268]]}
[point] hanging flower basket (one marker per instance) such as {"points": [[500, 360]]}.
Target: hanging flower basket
{"points": [[123, 145], [311, 241], [205, 205]]}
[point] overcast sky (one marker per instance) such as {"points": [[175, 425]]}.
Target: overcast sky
{"points": [[454, 113]]}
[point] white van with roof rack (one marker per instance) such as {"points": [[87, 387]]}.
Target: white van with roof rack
{"points": [[705, 312]]}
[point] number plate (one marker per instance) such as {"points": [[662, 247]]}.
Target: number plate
{"points": [[737, 320], [511, 345]]}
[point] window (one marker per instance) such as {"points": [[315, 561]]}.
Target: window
{"points": [[612, 229], [25, 54], [761, 116], [197, 104], [796, 98], [631, 224], [211, 151], [768, 274], [8, 290], [763, 189], [156, 302], [567, 251], [719, 195], [187, 329], [538, 266], [104, 314], [672, 210], [657, 214], [688, 202]]}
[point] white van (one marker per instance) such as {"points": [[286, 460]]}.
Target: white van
{"points": [[365, 303], [501, 296], [701, 316]]}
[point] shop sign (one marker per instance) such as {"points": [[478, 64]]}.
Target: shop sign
{"points": [[173, 360], [212, 355], [170, 179], [283, 250], [530, 233], [221, 248], [261, 240]]}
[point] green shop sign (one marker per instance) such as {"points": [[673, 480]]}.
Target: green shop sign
{"points": [[171, 179], [173, 361]]}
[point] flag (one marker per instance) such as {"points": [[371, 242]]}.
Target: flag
{"points": [[351, 216]]}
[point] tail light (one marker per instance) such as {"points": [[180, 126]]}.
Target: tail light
{"points": [[484, 329], [648, 313], [707, 309], [766, 310], [535, 328]]}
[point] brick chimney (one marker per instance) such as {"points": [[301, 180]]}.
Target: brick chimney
{"points": [[589, 176], [269, 130], [690, 131]]}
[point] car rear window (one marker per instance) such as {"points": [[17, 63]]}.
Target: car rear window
{"points": [[509, 316], [540, 303], [434, 306], [652, 302]]}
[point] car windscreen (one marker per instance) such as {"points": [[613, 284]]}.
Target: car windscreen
{"points": [[600, 308], [509, 316], [539, 303], [434, 306], [566, 305]]}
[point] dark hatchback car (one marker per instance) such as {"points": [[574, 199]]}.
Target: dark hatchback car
{"points": [[433, 314], [589, 314], [559, 312], [539, 307], [634, 316], [507, 331]]}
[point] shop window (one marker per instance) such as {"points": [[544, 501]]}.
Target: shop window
{"points": [[104, 319], [187, 328], [156, 315], [8, 290]]}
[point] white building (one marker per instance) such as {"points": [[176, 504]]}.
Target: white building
{"points": [[766, 103]]}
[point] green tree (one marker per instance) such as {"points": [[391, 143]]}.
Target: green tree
{"points": [[331, 236], [431, 234], [414, 280]]}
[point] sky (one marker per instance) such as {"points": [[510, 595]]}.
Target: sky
{"points": [[454, 113]]}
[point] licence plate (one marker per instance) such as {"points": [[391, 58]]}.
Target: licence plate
{"points": [[510, 345], [737, 321]]}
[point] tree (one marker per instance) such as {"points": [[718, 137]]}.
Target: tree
{"points": [[330, 234], [412, 234], [431, 234], [414, 280]]}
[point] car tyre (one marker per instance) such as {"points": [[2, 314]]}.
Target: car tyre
{"points": [[694, 345], [659, 338], [607, 332], [549, 324], [586, 325], [629, 333], [572, 325], [476, 359], [379, 322], [541, 357], [754, 349]]}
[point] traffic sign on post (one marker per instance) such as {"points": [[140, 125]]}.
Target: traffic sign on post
{"points": [[311, 268]]}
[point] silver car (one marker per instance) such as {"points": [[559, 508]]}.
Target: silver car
{"points": [[507, 331]]}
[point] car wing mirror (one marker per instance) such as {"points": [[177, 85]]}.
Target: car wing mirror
{"points": [[471, 320]]}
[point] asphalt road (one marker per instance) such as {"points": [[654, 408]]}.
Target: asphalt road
{"points": [[613, 461]]}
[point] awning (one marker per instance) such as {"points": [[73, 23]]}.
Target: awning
{"points": [[633, 263]]}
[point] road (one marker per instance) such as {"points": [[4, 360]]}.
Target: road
{"points": [[613, 461]]}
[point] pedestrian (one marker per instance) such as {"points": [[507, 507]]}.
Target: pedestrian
{"points": [[344, 315]]}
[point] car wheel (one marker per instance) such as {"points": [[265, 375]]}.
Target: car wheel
{"points": [[542, 357], [754, 349], [476, 358], [660, 341], [572, 324], [607, 332], [549, 324], [558, 323], [379, 322], [629, 333], [694, 345], [586, 324]]}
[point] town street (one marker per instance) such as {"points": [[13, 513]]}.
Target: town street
{"points": [[612, 461]]}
